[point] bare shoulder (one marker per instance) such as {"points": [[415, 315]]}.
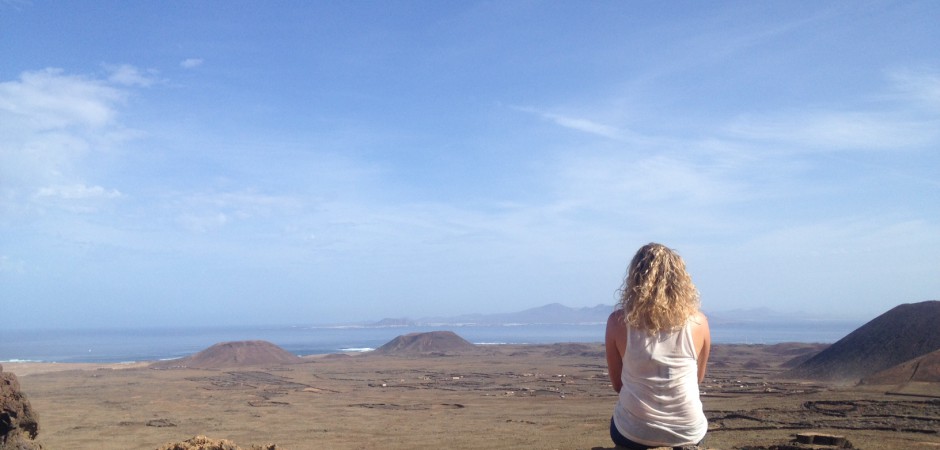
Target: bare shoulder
{"points": [[615, 318], [615, 323], [699, 318]]}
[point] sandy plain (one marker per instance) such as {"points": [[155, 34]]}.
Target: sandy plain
{"points": [[534, 396]]}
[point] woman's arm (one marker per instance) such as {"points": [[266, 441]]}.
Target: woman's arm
{"points": [[614, 342], [702, 337]]}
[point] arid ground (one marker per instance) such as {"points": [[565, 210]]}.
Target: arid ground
{"points": [[551, 396]]}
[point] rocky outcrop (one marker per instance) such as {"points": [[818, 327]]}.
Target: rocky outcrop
{"points": [[205, 443], [18, 422]]}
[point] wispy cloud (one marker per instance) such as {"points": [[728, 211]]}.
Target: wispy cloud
{"points": [[576, 123], [202, 223], [49, 99], [51, 122], [908, 116], [837, 131], [624, 180], [128, 75], [11, 266], [917, 86], [78, 192], [767, 162], [583, 125], [202, 212], [76, 198], [191, 63]]}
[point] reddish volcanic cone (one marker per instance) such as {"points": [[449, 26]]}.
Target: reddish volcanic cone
{"points": [[431, 342], [233, 354]]}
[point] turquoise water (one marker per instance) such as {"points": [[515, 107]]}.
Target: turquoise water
{"points": [[126, 345]]}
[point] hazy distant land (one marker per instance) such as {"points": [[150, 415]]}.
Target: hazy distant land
{"points": [[556, 313]]}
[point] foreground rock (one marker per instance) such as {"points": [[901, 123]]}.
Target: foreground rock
{"points": [[18, 423], [233, 354], [905, 332], [205, 443], [434, 342], [810, 441]]}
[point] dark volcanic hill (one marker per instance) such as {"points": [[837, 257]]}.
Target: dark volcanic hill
{"points": [[233, 354], [924, 368], [432, 342], [905, 332]]}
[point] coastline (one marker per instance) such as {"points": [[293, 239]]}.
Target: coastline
{"points": [[123, 346], [22, 369], [25, 368]]}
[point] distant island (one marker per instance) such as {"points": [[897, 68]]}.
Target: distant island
{"points": [[556, 313]]}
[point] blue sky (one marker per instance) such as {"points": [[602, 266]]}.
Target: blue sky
{"points": [[234, 162]]}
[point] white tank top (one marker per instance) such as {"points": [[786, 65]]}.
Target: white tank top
{"points": [[659, 402]]}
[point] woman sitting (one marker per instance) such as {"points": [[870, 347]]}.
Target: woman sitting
{"points": [[657, 348]]}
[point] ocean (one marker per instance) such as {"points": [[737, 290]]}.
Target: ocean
{"points": [[115, 345]]}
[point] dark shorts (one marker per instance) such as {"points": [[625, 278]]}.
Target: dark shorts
{"points": [[621, 441]]}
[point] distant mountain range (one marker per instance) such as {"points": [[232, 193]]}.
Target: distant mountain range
{"points": [[556, 313]]}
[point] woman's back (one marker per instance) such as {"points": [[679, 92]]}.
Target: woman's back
{"points": [[659, 401]]}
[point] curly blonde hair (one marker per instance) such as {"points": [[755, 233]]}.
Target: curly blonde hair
{"points": [[657, 293]]}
